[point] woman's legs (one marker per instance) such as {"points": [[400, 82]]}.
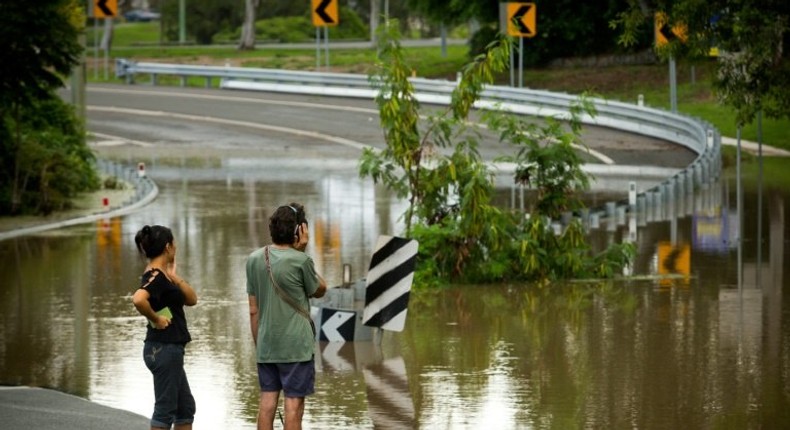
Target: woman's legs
{"points": [[173, 399]]}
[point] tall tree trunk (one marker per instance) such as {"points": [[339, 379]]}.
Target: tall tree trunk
{"points": [[247, 41], [374, 20]]}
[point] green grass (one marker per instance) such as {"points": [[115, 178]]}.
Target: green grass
{"points": [[127, 34], [137, 41], [774, 170]]}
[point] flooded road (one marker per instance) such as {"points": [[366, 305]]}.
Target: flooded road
{"points": [[692, 351]]}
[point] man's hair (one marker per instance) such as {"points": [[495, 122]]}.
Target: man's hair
{"points": [[284, 222]]}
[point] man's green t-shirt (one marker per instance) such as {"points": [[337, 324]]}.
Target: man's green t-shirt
{"points": [[284, 336]]}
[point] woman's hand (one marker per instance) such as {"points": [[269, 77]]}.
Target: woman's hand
{"points": [[162, 322], [171, 269]]}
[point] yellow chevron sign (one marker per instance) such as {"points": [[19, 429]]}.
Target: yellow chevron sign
{"points": [[665, 33]]}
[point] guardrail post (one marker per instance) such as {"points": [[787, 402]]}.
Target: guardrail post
{"points": [[689, 173], [632, 195], [621, 215], [183, 81], [208, 81], [585, 217], [650, 206], [566, 218], [595, 220], [641, 210], [610, 208]]}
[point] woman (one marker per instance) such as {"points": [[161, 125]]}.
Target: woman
{"points": [[161, 298]]}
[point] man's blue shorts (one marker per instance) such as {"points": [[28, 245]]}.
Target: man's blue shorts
{"points": [[294, 379]]}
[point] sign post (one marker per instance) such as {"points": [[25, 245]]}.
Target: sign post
{"points": [[325, 14], [521, 20], [101, 9], [665, 34]]}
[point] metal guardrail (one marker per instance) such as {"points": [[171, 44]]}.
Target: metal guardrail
{"points": [[695, 134], [145, 191]]}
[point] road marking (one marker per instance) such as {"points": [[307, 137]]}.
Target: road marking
{"points": [[200, 118], [110, 140], [241, 99]]}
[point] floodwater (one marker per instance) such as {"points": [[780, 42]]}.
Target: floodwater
{"points": [[696, 350]]}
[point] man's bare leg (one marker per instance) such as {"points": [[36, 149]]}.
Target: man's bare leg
{"points": [[267, 409], [183, 426], [294, 409]]}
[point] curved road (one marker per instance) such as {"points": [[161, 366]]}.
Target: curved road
{"points": [[294, 130]]}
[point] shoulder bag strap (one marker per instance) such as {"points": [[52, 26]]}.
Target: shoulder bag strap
{"points": [[283, 295]]}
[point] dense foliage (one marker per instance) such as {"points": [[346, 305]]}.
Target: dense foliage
{"points": [[45, 160], [751, 36], [435, 164]]}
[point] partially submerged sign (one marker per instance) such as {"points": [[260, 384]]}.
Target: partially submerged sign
{"points": [[389, 282]]}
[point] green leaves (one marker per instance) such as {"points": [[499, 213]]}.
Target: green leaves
{"points": [[435, 163]]}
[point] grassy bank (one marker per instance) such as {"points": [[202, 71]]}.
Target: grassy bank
{"points": [[624, 83]]}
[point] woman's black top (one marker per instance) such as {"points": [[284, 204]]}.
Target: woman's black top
{"points": [[164, 293]]}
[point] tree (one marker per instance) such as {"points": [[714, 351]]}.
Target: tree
{"points": [[39, 46], [753, 72], [204, 19], [247, 41], [45, 159], [435, 165]]}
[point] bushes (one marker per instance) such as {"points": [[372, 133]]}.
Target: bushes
{"points": [[48, 162], [295, 29]]}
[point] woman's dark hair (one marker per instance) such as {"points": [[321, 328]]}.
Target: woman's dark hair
{"points": [[152, 240], [284, 222]]}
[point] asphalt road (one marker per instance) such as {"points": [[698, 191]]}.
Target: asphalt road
{"points": [[23, 408], [188, 120]]}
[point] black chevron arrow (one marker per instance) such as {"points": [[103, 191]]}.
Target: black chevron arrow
{"points": [[322, 13], [519, 18], [670, 264], [667, 32], [102, 4]]}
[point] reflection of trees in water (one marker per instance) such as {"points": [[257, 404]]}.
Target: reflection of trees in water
{"points": [[45, 307]]}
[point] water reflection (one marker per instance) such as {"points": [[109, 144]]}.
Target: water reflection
{"points": [[693, 352]]}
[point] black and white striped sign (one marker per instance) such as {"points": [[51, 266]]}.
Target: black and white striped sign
{"points": [[389, 283]]}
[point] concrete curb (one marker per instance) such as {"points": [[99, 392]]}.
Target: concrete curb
{"points": [[753, 147]]}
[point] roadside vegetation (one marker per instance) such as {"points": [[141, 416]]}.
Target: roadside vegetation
{"points": [[45, 162], [435, 166]]}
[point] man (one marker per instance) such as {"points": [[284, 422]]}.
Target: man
{"points": [[280, 278]]}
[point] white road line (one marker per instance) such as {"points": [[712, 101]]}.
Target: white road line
{"points": [[199, 118], [240, 99], [110, 140]]}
